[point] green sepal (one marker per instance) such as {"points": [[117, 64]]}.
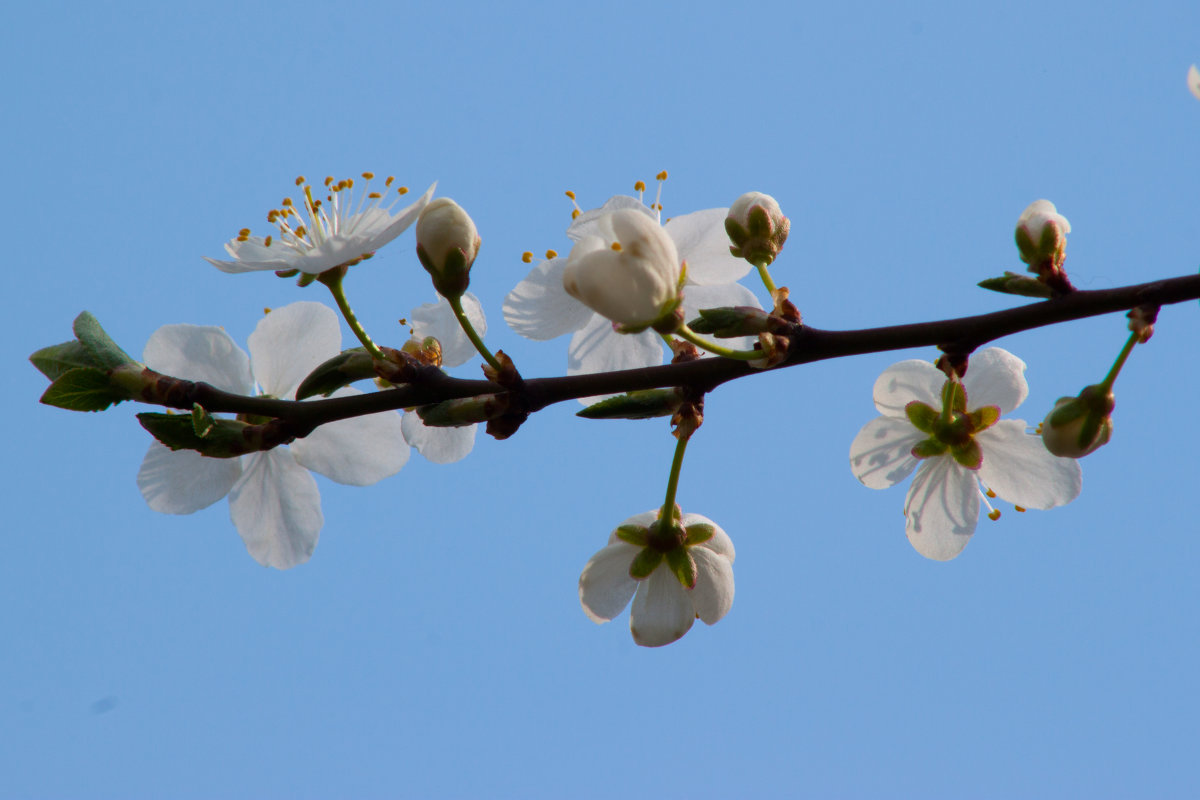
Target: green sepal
{"points": [[99, 345], [921, 415], [983, 418], [83, 389], [202, 421], [683, 566], [1018, 284], [644, 563], [954, 397], [224, 440], [632, 534], [58, 359], [635, 405], [928, 448], [343, 369], [1025, 245], [969, 455], [1067, 412], [699, 533]]}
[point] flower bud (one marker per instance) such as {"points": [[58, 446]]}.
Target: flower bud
{"points": [[631, 274], [1042, 235], [757, 227], [1079, 425], [447, 244]]}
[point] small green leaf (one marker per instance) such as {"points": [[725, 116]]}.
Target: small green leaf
{"points": [[100, 346], [224, 439], [644, 563], [635, 405], [343, 369], [82, 389], [202, 421], [58, 359], [683, 566], [1018, 284]]}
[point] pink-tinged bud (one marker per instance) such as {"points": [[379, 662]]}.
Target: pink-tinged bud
{"points": [[757, 227], [1042, 235]]}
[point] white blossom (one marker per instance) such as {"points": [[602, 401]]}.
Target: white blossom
{"points": [[273, 498], [323, 234], [942, 506], [663, 609]]}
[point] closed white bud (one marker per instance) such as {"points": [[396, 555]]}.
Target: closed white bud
{"points": [[1042, 234], [1079, 425], [630, 273], [447, 244], [757, 227]]}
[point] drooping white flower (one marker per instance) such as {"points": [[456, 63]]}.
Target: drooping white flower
{"points": [[323, 234], [663, 608], [957, 451], [273, 498], [540, 308], [445, 445]]}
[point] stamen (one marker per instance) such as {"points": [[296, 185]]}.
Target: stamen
{"points": [[575, 214], [991, 494], [994, 514], [1019, 508], [639, 186], [527, 257], [551, 254], [402, 190], [616, 246], [299, 180], [328, 180], [267, 242], [388, 182], [368, 175]]}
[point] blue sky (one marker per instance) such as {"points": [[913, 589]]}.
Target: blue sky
{"points": [[434, 645]]}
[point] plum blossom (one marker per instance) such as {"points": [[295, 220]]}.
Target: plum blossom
{"points": [[540, 307], [663, 608], [273, 498], [334, 232], [957, 450]]}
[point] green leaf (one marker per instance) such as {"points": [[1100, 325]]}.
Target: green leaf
{"points": [[82, 389], [1018, 284], [635, 405], [224, 439], [58, 359], [202, 421], [100, 346]]}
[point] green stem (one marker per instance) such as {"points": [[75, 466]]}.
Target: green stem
{"points": [[334, 282], [1106, 384], [668, 509], [684, 332], [765, 275], [456, 305]]}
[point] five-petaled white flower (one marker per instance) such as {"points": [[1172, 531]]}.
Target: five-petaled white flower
{"points": [[273, 499], [957, 448], [637, 564], [445, 445], [324, 234], [540, 308]]}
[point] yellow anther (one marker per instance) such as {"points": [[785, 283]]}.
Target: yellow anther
{"points": [[299, 180], [659, 206], [1019, 508], [527, 257], [301, 232], [640, 186], [372, 195], [368, 175], [267, 242], [551, 254], [389, 180], [1039, 428], [287, 202], [994, 515], [616, 246], [328, 179], [266, 311], [991, 494], [244, 232], [272, 216], [662, 176], [242, 238], [402, 190], [349, 183], [575, 214], [570, 194]]}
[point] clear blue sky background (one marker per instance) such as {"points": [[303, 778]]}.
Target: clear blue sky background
{"points": [[434, 646]]}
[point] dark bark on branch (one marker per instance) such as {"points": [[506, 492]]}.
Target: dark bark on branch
{"points": [[961, 335]]}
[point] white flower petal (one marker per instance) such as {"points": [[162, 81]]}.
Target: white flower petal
{"points": [[540, 308], [359, 451], [599, 348], [881, 453], [720, 543], [277, 509], [289, 343], [942, 508], [439, 445], [906, 381], [1018, 467], [438, 320], [721, 295], [995, 377], [199, 353], [598, 221], [605, 586], [183, 481], [662, 609], [712, 596], [702, 242]]}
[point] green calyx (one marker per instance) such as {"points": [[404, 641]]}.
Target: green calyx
{"points": [[667, 543], [951, 430]]}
